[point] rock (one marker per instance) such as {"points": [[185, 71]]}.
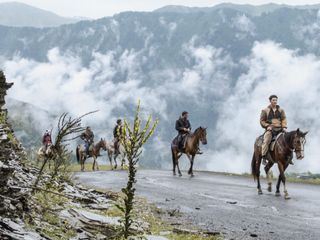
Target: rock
{"points": [[185, 231], [211, 233], [92, 218], [152, 237]]}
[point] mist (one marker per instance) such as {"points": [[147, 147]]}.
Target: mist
{"points": [[228, 104]]}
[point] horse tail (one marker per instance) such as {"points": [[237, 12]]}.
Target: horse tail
{"points": [[78, 153], [254, 166]]}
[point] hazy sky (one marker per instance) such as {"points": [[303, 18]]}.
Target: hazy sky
{"points": [[101, 8]]}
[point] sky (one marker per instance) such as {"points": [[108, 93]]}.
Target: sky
{"points": [[102, 8]]}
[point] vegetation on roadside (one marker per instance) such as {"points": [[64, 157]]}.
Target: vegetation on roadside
{"points": [[133, 138]]}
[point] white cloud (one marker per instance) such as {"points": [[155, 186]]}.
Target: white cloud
{"points": [[244, 25], [271, 70]]}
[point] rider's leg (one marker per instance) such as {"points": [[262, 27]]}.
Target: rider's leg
{"points": [[180, 143], [265, 145]]}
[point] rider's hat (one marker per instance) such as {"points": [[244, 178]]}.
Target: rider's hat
{"points": [[184, 113], [119, 121]]}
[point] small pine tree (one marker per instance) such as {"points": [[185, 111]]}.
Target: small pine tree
{"points": [[133, 138]]}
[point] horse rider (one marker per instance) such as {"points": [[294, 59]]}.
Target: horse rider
{"points": [[46, 140], [117, 134], [88, 137], [183, 127], [273, 119]]}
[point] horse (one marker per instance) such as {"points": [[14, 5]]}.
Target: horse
{"points": [[94, 153], [45, 153], [285, 145], [192, 146], [113, 154]]}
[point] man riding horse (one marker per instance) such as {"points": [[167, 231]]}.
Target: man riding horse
{"points": [[117, 134], [273, 119], [183, 127], [46, 140], [88, 138]]}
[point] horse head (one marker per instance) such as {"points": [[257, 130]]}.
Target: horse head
{"points": [[203, 135], [299, 141], [103, 144]]}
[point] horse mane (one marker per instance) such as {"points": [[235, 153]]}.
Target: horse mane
{"points": [[197, 130], [289, 136]]}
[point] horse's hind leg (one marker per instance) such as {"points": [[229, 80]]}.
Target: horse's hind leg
{"points": [[110, 159], [257, 166], [174, 157], [278, 186]]}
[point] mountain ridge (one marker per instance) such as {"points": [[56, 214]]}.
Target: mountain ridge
{"points": [[16, 14]]}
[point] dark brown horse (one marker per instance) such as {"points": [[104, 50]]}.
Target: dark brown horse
{"points": [[94, 153], [285, 144], [191, 149]]}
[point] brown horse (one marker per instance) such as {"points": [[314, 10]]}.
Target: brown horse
{"points": [[285, 144], [191, 149], [94, 153]]}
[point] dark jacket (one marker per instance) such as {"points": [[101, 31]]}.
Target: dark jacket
{"points": [[117, 131], [46, 139], [181, 123], [87, 136]]}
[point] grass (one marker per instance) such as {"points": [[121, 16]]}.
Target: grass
{"points": [[46, 219], [289, 178], [3, 117], [151, 214], [87, 167]]}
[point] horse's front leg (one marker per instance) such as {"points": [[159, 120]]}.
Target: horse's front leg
{"points": [[286, 194], [82, 163], [115, 161], [97, 164], [94, 164], [269, 175], [191, 158]]}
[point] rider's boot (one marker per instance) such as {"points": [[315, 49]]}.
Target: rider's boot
{"points": [[264, 160], [199, 151]]}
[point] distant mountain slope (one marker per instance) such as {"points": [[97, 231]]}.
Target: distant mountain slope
{"points": [[22, 15], [245, 8]]}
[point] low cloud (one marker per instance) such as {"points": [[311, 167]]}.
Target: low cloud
{"points": [[229, 106], [271, 69]]}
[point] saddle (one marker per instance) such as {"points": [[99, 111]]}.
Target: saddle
{"points": [[175, 142], [272, 145]]}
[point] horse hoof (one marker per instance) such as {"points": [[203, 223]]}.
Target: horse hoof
{"points": [[269, 189], [180, 175], [174, 174], [260, 192], [278, 194], [287, 197]]}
